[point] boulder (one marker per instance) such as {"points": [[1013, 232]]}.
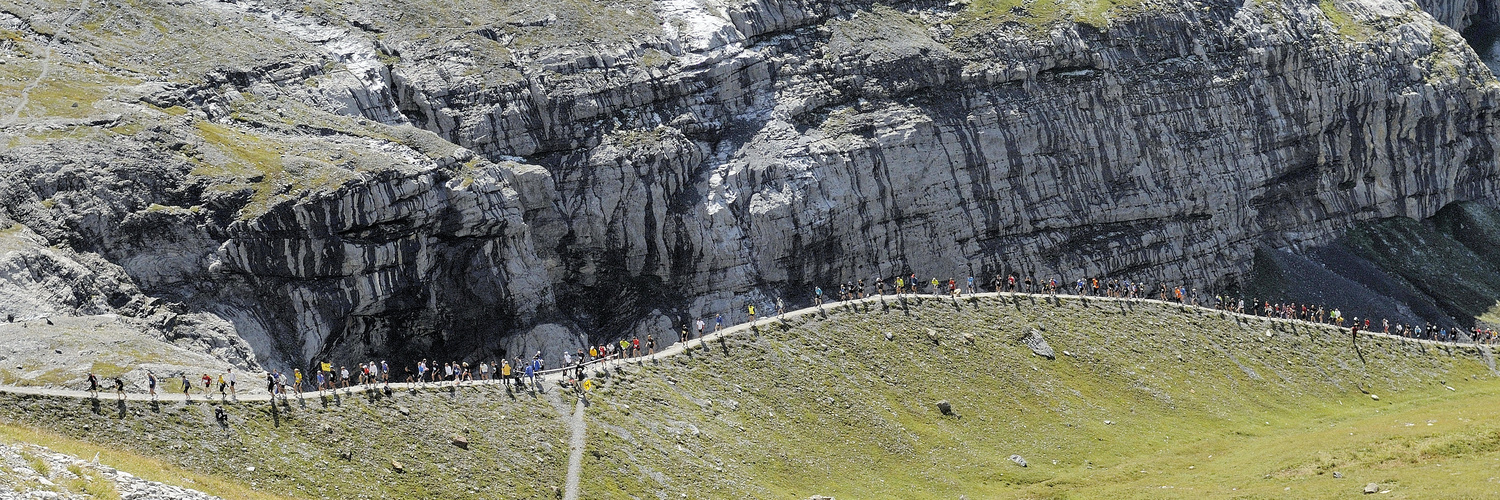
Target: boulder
{"points": [[397, 466], [944, 407], [1038, 345], [460, 441], [1018, 460], [1372, 488]]}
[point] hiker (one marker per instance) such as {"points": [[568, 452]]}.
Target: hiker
{"points": [[186, 387], [718, 323], [151, 382], [231, 382], [385, 373], [321, 381], [93, 384], [505, 373], [120, 388], [271, 384]]}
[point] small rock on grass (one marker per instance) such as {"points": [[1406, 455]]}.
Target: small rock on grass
{"points": [[1018, 460], [1375, 397], [1372, 488], [944, 407], [397, 466]]}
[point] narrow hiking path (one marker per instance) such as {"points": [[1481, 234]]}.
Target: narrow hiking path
{"points": [[557, 375], [575, 451]]}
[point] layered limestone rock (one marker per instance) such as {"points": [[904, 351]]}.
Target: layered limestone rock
{"points": [[620, 168]]}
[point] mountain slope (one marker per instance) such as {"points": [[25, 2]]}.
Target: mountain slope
{"points": [[826, 405]]}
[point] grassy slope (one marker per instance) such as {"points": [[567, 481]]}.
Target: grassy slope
{"points": [[1204, 405], [857, 418]]}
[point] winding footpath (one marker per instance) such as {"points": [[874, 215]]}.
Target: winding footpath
{"points": [[557, 375], [579, 427]]}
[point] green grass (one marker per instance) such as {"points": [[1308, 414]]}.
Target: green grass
{"points": [[1344, 24], [1149, 401], [857, 418], [1040, 15]]}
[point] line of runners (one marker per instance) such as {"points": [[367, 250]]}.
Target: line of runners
{"points": [[524, 373]]}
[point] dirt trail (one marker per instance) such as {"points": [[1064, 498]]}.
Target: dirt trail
{"points": [[575, 452]]}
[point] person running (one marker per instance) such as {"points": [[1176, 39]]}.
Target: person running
{"points": [[151, 383], [751, 307], [120, 388], [971, 285], [700, 325], [321, 381], [232, 377], [385, 373], [818, 295], [187, 387], [781, 307], [93, 385], [297, 378], [718, 323], [208, 383], [344, 376], [635, 346], [421, 371], [900, 283], [271, 384], [222, 386], [650, 344]]}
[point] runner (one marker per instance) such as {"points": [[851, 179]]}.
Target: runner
{"points": [[187, 387], [93, 385], [151, 381], [297, 378], [781, 308], [718, 323], [971, 285], [385, 373], [344, 376], [752, 313], [818, 295], [321, 381], [120, 388], [422, 371], [900, 284], [505, 373], [207, 383], [650, 344], [699, 324], [222, 385], [231, 383], [635, 346]]}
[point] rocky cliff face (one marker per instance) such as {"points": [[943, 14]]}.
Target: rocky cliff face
{"points": [[408, 180]]}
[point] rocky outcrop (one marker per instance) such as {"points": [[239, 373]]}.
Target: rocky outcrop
{"points": [[621, 169]]}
